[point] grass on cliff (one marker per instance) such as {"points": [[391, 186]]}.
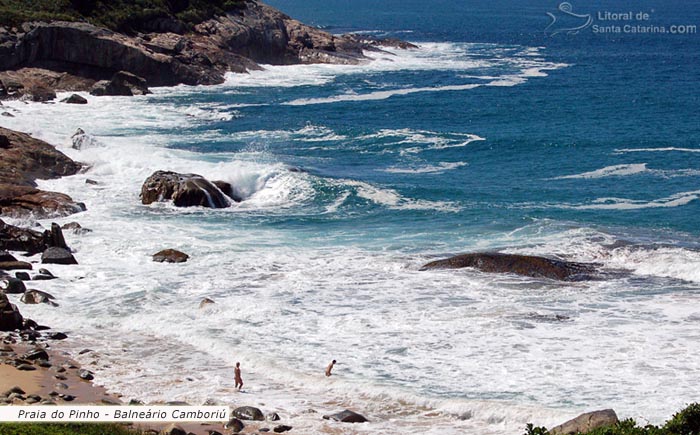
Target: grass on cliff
{"points": [[120, 15], [66, 429], [684, 422]]}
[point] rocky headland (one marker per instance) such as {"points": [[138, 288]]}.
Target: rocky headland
{"points": [[39, 58]]}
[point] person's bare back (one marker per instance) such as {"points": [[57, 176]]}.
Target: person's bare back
{"points": [[329, 368]]}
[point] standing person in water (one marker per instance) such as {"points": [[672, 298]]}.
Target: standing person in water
{"points": [[329, 368], [237, 376]]}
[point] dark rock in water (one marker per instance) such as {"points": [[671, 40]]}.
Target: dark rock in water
{"points": [[248, 413], [24, 276], [282, 428], [92, 182], [81, 141], [6, 257], [36, 354], [206, 302], [54, 237], [42, 277], [273, 417], [227, 189], [235, 425], [33, 296], [587, 422], [56, 255], [86, 375], [46, 272], [14, 265], [76, 228], [122, 84], [40, 94], [14, 238], [170, 256], [10, 318], [26, 367], [11, 285], [536, 267], [75, 99], [346, 416], [185, 190], [57, 336]]}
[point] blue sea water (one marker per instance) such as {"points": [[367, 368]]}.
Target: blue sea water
{"points": [[494, 134]]}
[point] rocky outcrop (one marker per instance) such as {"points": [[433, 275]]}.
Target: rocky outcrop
{"points": [[121, 84], [185, 190], [587, 422], [346, 416], [14, 238], [170, 256], [526, 265], [24, 159], [74, 56], [56, 255], [10, 317]]}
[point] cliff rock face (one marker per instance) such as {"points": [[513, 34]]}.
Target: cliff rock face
{"points": [[73, 56]]}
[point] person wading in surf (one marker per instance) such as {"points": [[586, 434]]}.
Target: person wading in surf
{"points": [[237, 376], [329, 368]]}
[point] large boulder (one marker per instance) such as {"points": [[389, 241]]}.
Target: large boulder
{"points": [[587, 422], [526, 265], [185, 190], [248, 413], [346, 416], [15, 238], [10, 285], [10, 318], [22, 201], [121, 84], [170, 256], [55, 255]]}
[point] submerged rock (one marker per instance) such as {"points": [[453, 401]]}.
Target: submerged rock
{"points": [[526, 265], [33, 296], [346, 416], [170, 256], [185, 190], [75, 99], [587, 422]]}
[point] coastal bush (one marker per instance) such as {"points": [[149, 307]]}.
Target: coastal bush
{"points": [[66, 429], [684, 422], [119, 15]]}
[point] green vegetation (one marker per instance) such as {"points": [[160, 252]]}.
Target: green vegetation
{"points": [[121, 15], [684, 422], [65, 429]]}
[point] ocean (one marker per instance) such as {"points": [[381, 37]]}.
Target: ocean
{"points": [[507, 129]]}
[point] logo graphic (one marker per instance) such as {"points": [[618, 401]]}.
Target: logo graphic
{"points": [[565, 21]]}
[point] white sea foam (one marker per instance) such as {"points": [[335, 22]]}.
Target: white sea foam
{"points": [[657, 150], [677, 200], [610, 171], [427, 169]]}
